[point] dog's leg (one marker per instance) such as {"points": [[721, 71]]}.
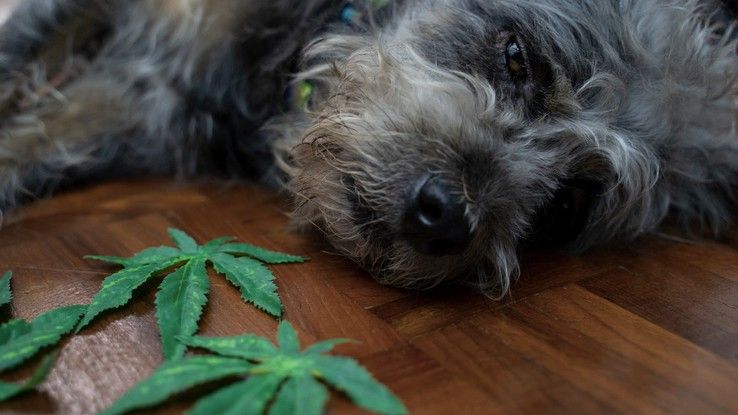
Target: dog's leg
{"points": [[62, 117], [90, 129], [40, 38], [31, 26]]}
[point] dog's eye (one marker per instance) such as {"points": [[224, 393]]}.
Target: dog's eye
{"points": [[515, 60]]}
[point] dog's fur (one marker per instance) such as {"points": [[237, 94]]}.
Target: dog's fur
{"points": [[627, 114]]}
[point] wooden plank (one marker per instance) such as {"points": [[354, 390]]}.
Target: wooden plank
{"points": [[689, 301], [585, 354], [427, 388], [424, 312], [718, 258]]}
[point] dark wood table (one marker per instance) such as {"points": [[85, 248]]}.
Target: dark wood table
{"points": [[651, 327]]}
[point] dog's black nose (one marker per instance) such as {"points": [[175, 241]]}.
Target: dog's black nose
{"points": [[435, 221]]}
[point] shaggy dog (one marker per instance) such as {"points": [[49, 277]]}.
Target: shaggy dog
{"points": [[428, 140]]}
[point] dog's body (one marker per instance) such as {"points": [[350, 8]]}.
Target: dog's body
{"points": [[440, 136]]}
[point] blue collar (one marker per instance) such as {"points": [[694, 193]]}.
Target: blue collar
{"points": [[351, 16]]}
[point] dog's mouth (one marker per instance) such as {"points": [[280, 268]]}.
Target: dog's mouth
{"points": [[563, 218]]}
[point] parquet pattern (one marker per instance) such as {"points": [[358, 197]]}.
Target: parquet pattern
{"points": [[646, 328]]}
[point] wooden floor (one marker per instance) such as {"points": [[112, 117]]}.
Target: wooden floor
{"points": [[647, 328]]}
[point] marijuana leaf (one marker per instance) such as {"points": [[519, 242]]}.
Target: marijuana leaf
{"points": [[5, 294], [300, 395], [245, 397], [117, 289], [296, 372], [254, 280], [179, 304], [263, 255], [9, 390], [183, 292], [176, 376], [13, 329], [292, 375], [282, 376], [148, 256], [19, 340]]}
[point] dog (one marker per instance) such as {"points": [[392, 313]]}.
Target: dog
{"points": [[429, 140]]}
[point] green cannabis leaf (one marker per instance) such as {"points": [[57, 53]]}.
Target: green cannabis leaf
{"points": [[281, 375], [183, 292], [9, 390], [19, 339], [179, 304], [5, 294], [10, 331], [176, 376], [290, 378]]}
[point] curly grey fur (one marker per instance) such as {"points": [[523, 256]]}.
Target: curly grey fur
{"points": [[637, 99]]}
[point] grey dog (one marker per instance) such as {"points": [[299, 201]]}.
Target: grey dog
{"points": [[429, 140]]}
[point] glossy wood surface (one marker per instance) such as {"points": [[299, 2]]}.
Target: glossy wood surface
{"points": [[651, 327]]}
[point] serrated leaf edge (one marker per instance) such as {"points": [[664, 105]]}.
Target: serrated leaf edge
{"points": [[39, 374], [45, 339], [5, 288]]}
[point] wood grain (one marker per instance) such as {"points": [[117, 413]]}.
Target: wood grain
{"points": [[651, 327]]}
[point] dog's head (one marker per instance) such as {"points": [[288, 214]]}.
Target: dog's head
{"points": [[462, 130]]}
